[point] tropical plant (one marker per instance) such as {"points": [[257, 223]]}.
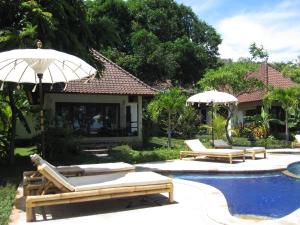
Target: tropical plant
{"points": [[263, 120], [165, 109], [188, 122], [218, 126], [14, 105], [288, 98]]}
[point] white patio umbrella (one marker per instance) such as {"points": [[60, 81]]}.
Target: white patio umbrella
{"points": [[212, 98], [37, 66]]}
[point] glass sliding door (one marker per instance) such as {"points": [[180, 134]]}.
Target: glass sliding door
{"points": [[90, 119]]}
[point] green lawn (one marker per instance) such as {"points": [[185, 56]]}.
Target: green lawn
{"points": [[7, 196], [25, 151], [10, 178]]}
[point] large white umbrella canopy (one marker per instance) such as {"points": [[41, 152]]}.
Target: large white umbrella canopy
{"points": [[212, 98], [23, 65], [215, 97], [39, 66]]}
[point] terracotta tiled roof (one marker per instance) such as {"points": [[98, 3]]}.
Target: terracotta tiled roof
{"points": [[113, 81], [275, 79]]}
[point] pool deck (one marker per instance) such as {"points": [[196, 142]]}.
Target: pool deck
{"points": [[195, 203], [277, 159]]}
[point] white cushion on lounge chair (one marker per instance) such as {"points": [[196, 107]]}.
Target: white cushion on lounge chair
{"points": [[87, 168], [37, 160], [255, 149], [195, 145], [223, 151], [96, 182], [297, 137], [56, 175], [101, 167]]}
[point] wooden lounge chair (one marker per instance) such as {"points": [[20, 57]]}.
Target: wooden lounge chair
{"points": [[31, 178], [196, 148], [296, 143], [256, 150], [59, 189], [87, 169], [248, 150]]}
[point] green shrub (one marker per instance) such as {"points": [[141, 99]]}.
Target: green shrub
{"points": [[125, 153], [270, 142], [60, 142], [3, 149]]}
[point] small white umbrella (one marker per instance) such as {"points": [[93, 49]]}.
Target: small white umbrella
{"points": [[212, 98], [37, 66]]}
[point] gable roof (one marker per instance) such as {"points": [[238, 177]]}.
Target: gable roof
{"points": [[275, 79], [114, 80]]}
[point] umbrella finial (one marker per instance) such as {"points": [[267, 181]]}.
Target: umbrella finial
{"points": [[39, 44]]}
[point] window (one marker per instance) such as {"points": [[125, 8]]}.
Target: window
{"points": [[88, 118]]}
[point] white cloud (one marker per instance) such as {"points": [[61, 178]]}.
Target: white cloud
{"points": [[276, 29]]}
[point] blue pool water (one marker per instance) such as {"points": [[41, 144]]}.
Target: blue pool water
{"points": [[272, 195], [294, 168]]}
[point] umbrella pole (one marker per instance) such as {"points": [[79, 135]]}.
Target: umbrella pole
{"points": [[40, 76], [212, 124]]}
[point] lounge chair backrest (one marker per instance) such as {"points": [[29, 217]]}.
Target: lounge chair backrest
{"points": [[195, 145], [37, 160], [297, 137], [54, 176]]}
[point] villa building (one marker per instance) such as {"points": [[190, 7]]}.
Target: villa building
{"points": [[250, 103], [108, 108]]}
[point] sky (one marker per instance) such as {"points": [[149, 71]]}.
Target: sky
{"points": [[273, 24]]}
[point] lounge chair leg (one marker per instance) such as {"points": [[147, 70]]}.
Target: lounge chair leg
{"points": [[28, 214], [171, 196], [230, 160], [265, 155], [253, 156], [244, 158]]}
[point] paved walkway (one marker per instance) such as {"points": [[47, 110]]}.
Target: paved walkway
{"points": [[195, 203], [274, 161]]}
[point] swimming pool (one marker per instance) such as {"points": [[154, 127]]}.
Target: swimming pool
{"points": [[270, 194], [294, 168]]}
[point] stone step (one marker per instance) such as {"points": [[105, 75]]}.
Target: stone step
{"points": [[95, 151], [101, 155]]}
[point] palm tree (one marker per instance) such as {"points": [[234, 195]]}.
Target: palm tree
{"points": [[288, 98], [170, 102]]}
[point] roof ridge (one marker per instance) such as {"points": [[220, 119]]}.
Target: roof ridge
{"points": [[94, 51]]}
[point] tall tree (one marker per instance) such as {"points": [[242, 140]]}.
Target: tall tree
{"points": [[59, 24], [155, 40], [232, 78], [258, 52]]}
